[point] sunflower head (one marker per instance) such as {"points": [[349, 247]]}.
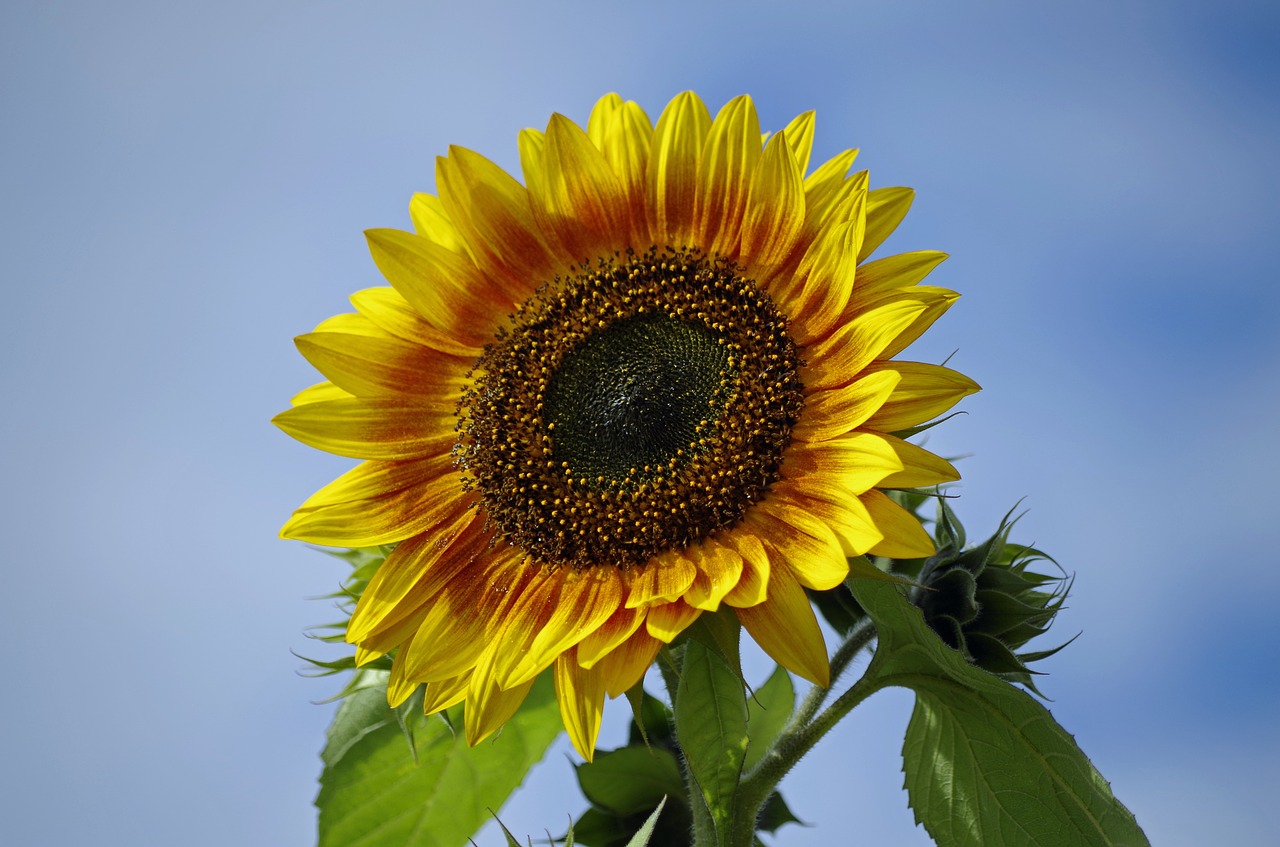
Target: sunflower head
{"points": [[655, 378]]}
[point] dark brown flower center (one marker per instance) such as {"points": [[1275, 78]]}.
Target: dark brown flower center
{"points": [[637, 406]]}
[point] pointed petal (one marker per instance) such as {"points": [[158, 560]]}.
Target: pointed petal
{"points": [[445, 693], [725, 170], [807, 545], [371, 367], [920, 468], [844, 514], [626, 666], [828, 414], [673, 168], [372, 427], [580, 693], [850, 463], [494, 215], [753, 585], [937, 301], [387, 308], [886, 207], [318, 393], [664, 622], [431, 221], [799, 135], [488, 705], [895, 272], [785, 627], [580, 197], [620, 626], [828, 271], [774, 216], [841, 357], [441, 285], [904, 537], [923, 393], [625, 136]]}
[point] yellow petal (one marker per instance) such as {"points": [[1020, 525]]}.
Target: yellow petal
{"points": [[445, 693], [725, 169], [840, 511], [431, 221], [841, 357], [834, 202], [367, 366], [807, 544], [827, 270], [579, 602], [774, 215], [664, 578], [673, 168], [799, 135], [895, 272], [494, 215], [580, 693], [785, 627], [387, 308], [886, 207], [718, 570], [923, 393], [664, 622], [937, 301], [581, 198], [625, 666], [488, 705], [850, 463], [904, 537], [920, 468], [351, 324], [828, 414], [620, 626], [318, 393], [753, 584], [372, 427], [441, 285]]}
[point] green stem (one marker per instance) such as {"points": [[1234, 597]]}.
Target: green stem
{"points": [[804, 730]]}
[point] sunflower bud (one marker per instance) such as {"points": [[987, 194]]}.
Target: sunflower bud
{"points": [[986, 601]]}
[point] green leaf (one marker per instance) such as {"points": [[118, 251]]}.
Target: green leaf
{"points": [[721, 633], [641, 838], [767, 713], [711, 725], [631, 779], [985, 763], [373, 794]]}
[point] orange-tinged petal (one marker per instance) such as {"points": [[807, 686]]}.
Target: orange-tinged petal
{"points": [[444, 287], [904, 537], [624, 134], [379, 503], [920, 468], [886, 207], [673, 168], [808, 546], [718, 570], [369, 367], [828, 271], [626, 665], [841, 512], [415, 571], [462, 617], [828, 414], [828, 176], [580, 198], [725, 170], [836, 202], [841, 358], [494, 215], [580, 601], [774, 216], [617, 629], [785, 627], [937, 301], [664, 578], [849, 463], [372, 427], [388, 309], [664, 622], [489, 705], [753, 584], [580, 693], [922, 393]]}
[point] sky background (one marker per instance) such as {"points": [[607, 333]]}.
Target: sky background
{"points": [[185, 186]]}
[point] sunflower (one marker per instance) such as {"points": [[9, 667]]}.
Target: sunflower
{"points": [[653, 381]]}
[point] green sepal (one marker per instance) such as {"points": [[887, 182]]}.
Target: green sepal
{"points": [[985, 763], [775, 813]]}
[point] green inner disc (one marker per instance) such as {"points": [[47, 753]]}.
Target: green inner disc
{"points": [[635, 396]]}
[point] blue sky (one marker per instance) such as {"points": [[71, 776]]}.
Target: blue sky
{"points": [[186, 187]]}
